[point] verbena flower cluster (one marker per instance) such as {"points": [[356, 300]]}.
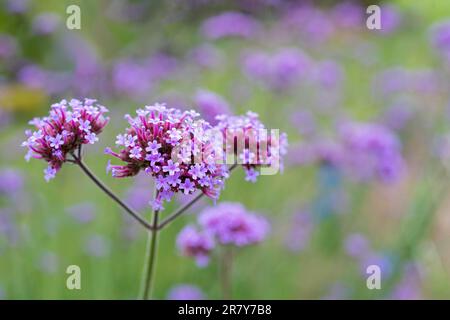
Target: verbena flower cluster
{"points": [[259, 148], [68, 126], [226, 224], [175, 148]]}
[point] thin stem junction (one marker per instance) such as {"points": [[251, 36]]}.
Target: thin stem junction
{"points": [[101, 185]]}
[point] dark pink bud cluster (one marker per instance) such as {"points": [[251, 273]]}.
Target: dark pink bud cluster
{"points": [[64, 130]]}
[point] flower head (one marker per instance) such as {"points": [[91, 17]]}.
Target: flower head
{"points": [[280, 71], [254, 146], [194, 243], [229, 24], [175, 148], [66, 128], [371, 151], [185, 292], [211, 105], [231, 223], [440, 38]]}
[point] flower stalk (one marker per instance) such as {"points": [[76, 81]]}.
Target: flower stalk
{"points": [[226, 265], [77, 160], [152, 247]]}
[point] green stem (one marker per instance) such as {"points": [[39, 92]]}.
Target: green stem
{"points": [[225, 271], [152, 245]]}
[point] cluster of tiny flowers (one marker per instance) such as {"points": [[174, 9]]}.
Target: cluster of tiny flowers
{"points": [[64, 130], [225, 224], [175, 148], [258, 146]]}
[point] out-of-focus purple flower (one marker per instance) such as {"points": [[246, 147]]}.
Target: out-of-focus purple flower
{"points": [[45, 23], [130, 77], [89, 75], [391, 81], [329, 74], [440, 38], [52, 82], [357, 246], [349, 14], [137, 196], [185, 292], [138, 77], [328, 152], [399, 80], [390, 19], [304, 121], [372, 151], [8, 46], [17, 6], [409, 287], [318, 151], [162, 142], [64, 130], [301, 227], [261, 150], [11, 182], [97, 246], [383, 261], [310, 23], [279, 71], [48, 262], [211, 105], [230, 24], [196, 244], [206, 56], [231, 223], [397, 115], [300, 154], [83, 212]]}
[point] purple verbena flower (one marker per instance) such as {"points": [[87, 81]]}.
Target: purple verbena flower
{"points": [[45, 23], [196, 244], [185, 292], [231, 223], [172, 146], [260, 148], [63, 131], [211, 105], [280, 71], [372, 151], [230, 24]]}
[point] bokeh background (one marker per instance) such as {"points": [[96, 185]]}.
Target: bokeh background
{"points": [[305, 67]]}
